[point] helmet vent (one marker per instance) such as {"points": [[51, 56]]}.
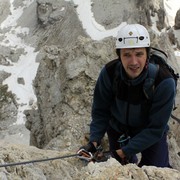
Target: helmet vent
{"points": [[141, 38], [120, 39]]}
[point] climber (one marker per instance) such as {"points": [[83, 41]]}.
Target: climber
{"points": [[121, 109]]}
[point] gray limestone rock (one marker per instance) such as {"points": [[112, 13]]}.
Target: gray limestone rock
{"points": [[70, 62], [177, 20]]}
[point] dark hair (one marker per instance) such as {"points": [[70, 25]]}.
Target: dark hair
{"points": [[148, 49]]}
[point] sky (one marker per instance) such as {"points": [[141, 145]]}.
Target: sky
{"points": [[27, 66]]}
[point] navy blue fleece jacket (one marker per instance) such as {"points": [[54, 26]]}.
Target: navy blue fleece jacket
{"points": [[145, 130]]}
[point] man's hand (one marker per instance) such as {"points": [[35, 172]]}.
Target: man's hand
{"points": [[90, 147], [120, 156], [120, 153]]}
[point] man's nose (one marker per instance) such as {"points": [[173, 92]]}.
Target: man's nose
{"points": [[133, 59]]}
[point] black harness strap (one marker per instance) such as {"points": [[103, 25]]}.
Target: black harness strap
{"points": [[175, 118]]}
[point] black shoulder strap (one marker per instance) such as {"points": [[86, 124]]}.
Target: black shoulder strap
{"points": [[149, 84], [159, 53], [160, 57], [112, 70]]}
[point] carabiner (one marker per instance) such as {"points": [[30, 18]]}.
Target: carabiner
{"points": [[85, 155]]}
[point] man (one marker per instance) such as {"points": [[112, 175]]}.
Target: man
{"points": [[126, 113]]}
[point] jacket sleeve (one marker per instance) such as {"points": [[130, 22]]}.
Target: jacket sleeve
{"points": [[101, 114], [158, 118]]}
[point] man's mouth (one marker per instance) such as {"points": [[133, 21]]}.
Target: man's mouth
{"points": [[134, 68]]}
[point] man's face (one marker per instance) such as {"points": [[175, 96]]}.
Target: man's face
{"points": [[133, 61]]}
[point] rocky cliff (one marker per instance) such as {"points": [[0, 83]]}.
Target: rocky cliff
{"points": [[70, 61]]}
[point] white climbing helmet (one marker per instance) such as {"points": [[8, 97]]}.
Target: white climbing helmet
{"points": [[132, 36]]}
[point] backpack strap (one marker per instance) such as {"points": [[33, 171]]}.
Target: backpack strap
{"points": [[149, 84], [160, 57], [161, 54], [113, 69]]}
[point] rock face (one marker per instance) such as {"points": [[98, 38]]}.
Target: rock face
{"points": [[65, 112], [72, 168], [8, 111], [8, 106], [68, 70], [70, 62], [177, 20]]}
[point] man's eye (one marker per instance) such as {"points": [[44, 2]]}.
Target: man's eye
{"points": [[127, 55], [139, 54]]}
